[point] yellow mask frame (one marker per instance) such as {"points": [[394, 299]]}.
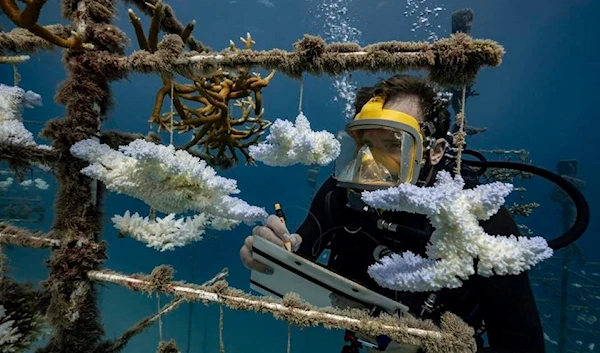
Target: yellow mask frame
{"points": [[373, 115]]}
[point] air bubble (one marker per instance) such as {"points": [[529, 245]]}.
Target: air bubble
{"points": [[423, 18], [338, 29]]}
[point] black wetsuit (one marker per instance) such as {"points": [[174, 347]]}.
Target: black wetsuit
{"points": [[505, 303]]}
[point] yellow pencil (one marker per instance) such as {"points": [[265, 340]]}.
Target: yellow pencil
{"points": [[279, 213]]}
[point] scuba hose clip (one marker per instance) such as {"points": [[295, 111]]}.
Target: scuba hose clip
{"points": [[428, 306], [385, 225]]}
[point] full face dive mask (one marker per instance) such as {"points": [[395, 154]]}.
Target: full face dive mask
{"points": [[381, 148]]}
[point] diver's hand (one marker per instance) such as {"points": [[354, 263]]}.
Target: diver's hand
{"points": [[274, 231]]}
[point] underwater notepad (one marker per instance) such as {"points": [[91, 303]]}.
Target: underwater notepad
{"points": [[312, 282]]}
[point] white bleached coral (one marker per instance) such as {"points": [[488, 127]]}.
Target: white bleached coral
{"points": [[7, 183], [13, 100], [168, 232], [458, 238], [170, 181], [289, 144], [38, 182]]}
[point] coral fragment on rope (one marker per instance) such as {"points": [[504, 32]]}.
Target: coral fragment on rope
{"points": [[291, 143], [203, 106], [168, 180]]}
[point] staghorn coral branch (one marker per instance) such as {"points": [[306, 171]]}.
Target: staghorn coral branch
{"points": [[170, 24], [311, 55], [303, 315], [212, 122], [28, 18], [139, 31], [157, 10]]}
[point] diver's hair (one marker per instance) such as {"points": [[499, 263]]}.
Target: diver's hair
{"points": [[362, 97], [433, 108]]}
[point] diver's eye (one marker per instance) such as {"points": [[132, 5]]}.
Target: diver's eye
{"points": [[393, 146]]}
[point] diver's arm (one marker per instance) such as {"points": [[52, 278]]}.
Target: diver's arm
{"points": [[508, 306], [310, 230]]}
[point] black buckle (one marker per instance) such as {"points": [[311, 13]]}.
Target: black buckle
{"points": [[380, 344], [356, 203]]}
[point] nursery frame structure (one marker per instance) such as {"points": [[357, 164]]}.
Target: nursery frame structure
{"points": [[94, 56]]}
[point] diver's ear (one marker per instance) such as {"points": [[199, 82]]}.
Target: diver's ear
{"points": [[437, 151]]}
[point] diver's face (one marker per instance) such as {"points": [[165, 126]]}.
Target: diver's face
{"points": [[411, 106], [388, 142]]}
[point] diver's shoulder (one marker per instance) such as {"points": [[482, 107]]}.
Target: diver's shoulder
{"points": [[328, 187]]}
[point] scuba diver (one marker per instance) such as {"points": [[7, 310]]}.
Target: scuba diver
{"points": [[401, 135]]}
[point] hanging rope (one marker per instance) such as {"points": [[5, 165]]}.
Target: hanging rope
{"points": [[172, 113], [16, 75], [221, 343], [459, 137], [301, 95], [289, 339], [160, 329], [3, 263], [191, 305]]}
